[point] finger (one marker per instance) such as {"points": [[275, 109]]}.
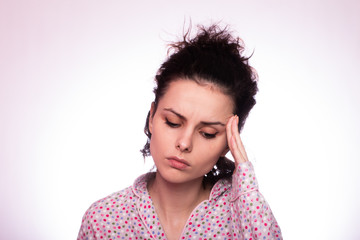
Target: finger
{"points": [[228, 131], [235, 150], [239, 145], [241, 148], [239, 142], [234, 143]]}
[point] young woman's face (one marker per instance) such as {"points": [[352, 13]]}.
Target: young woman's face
{"points": [[188, 130]]}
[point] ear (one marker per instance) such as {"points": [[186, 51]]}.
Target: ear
{"points": [[227, 149], [152, 109]]}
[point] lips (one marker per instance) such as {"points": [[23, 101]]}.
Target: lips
{"points": [[178, 163]]}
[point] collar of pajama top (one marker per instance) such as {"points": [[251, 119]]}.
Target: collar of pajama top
{"points": [[210, 216], [130, 213]]}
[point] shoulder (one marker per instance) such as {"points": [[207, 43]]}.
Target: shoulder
{"points": [[104, 211], [123, 198], [113, 200]]}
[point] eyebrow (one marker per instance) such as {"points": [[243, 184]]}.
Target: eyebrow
{"points": [[184, 118]]}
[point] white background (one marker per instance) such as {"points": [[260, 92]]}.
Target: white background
{"points": [[76, 85]]}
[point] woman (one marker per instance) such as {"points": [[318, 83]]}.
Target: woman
{"points": [[204, 92]]}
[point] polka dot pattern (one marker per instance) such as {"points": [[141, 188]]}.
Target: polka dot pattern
{"points": [[235, 210]]}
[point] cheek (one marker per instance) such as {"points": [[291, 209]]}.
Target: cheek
{"points": [[212, 152], [158, 142], [217, 147], [155, 149], [154, 144]]}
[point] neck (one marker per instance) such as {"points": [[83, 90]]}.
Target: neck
{"points": [[176, 198]]}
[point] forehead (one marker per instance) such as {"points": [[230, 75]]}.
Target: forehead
{"points": [[194, 98]]}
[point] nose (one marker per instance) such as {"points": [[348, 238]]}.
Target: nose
{"points": [[184, 142]]}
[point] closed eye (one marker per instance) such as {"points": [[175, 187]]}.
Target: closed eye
{"points": [[208, 135], [171, 124]]}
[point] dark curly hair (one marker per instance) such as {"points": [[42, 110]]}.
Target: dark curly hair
{"points": [[213, 56]]}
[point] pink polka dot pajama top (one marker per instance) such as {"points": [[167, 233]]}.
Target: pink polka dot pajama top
{"points": [[235, 210]]}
